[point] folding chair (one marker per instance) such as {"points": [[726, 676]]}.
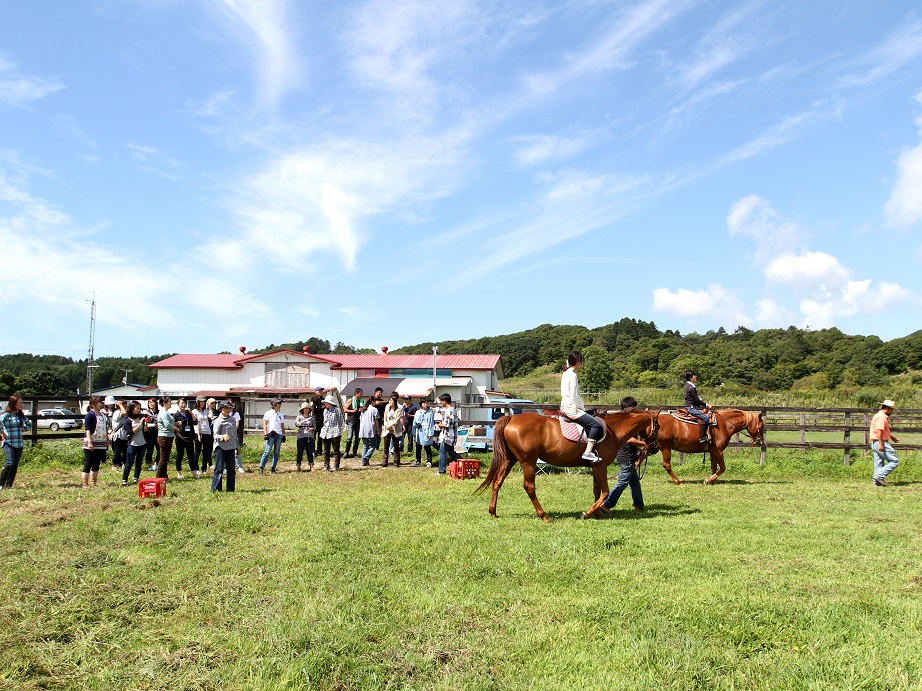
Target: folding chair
{"points": [[542, 468], [461, 442]]}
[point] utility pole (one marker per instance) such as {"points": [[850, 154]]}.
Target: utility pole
{"points": [[90, 359], [125, 378], [435, 350]]}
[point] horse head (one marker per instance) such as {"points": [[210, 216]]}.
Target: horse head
{"points": [[754, 426]]}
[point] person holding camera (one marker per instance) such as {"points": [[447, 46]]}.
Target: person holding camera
{"points": [[273, 433]]}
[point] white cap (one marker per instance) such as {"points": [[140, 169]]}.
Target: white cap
{"points": [[110, 400], [889, 403]]}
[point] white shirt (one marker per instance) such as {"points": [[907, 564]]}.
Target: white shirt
{"points": [[275, 421], [571, 402]]}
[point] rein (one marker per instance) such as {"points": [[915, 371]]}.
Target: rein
{"points": [[744, 428]]}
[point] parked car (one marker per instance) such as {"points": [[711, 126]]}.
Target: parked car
{"points": [[58, 418]]}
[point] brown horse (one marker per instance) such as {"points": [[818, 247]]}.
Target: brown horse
{"points": [[530, 436], [680, 436]]}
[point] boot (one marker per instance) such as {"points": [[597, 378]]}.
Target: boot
{"points": [[703, 433], [11, 476], [3, 474], [93, 477], [84, 480]]}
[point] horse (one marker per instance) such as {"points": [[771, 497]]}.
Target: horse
{"points": [[529, 436], [675, 435]]}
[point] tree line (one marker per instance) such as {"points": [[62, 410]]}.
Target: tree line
{"points": [[633, 353], [629, 353]]}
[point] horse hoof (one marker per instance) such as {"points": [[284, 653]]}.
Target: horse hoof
{"points": [[545, 519], [708, 481], [583, 516]]}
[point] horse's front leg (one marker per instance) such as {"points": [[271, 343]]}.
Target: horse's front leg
{"points": [[600, 485], [717, 466], [528, 471], [667, 464]]}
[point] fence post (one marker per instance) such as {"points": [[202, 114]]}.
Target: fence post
{"points": [[681, 458], [847, 454], [33, 418], [803, 432], [867, 433], [762, 455]]}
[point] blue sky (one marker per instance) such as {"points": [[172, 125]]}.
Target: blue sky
{"points": [[246, 172]]}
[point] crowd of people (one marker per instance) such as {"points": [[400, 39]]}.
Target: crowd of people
{"points": [[395, 424], [207, 435]]}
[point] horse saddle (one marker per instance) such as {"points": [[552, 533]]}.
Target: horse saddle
{"points": [[682, 415], [574, 432]]}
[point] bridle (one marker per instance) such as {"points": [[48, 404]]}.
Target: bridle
{"points": [[748, 416]]}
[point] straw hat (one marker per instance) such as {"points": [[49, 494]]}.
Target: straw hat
{"points": [[889, 403], [329, 399], [306, 404]]}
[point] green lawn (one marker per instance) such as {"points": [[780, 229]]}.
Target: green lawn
{"points": [[799, 574]]}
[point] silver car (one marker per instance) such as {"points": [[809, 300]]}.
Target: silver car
{"points": [[57, 418]]}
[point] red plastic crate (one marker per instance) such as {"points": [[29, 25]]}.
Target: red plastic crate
{"points": [[152, 487], [470, 469], [464, 469]]}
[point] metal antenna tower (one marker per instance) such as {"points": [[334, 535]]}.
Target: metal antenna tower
{"points": [[90, 364]]}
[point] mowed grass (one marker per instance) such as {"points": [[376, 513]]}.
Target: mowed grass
{"points": [[796, 575]]}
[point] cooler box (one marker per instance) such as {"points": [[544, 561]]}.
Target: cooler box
{"points": [[152, 487]]}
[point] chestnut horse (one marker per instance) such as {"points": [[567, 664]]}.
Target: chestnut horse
{"points": [[681, 436], [530, 436]]}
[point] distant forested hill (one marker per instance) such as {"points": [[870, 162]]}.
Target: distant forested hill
{"points": [[638, 354]]}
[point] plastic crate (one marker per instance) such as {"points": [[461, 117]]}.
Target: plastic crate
{"points": [[470, 469], [464, 470], [152, 487]]}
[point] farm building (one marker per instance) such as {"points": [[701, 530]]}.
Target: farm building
{"points": [[290, 374]]}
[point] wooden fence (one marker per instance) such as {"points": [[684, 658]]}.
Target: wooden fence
{"points": [[850, 425], [845, 429]]}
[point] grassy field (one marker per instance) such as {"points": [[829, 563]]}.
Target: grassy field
{"points": [[795, 575]]}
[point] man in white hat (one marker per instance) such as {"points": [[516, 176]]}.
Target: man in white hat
{"points": [[885, 460], [331, 433]]}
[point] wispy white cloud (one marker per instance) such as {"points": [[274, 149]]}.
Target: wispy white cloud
{"points": [[316, 200], [904, 206], [156, 162], [264, 28], [17, 89], [568, 185], [629, 29], [395, 47], [536, 149], [899, 49], [716, 303], [776, 135]]}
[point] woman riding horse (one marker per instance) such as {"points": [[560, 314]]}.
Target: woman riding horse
{"points": [[695, 406], [571, 405]]}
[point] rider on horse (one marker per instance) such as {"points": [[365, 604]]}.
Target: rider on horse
{"points": [[695, 406], [571, 404]]}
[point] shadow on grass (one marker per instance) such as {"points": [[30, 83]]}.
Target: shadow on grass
{"points": [[652, 511]]}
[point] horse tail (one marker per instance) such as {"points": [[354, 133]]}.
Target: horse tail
{"points": [[501, 453]]}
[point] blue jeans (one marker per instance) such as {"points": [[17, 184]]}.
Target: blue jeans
{"points": [[702, 417], [274, 446], [352, 437], [446, 450], [627, 477], [135, 458], [223, 460], [368, 449], [885, 460]]}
